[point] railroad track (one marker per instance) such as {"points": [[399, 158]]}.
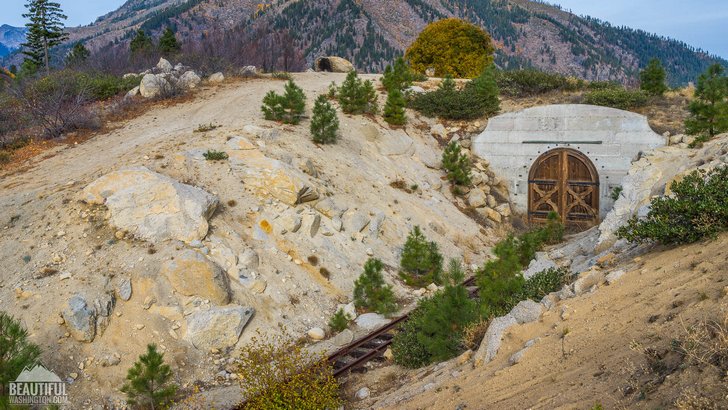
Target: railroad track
{"points": [[371, 347]]}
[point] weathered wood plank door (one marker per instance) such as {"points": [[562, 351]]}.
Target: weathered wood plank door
{"points": [[564, 181]]}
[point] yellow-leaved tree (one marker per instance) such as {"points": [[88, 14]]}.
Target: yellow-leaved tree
{"points": [[451, 47]]}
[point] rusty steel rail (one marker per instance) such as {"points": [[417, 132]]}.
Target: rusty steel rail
{"points": [[373, 345]]}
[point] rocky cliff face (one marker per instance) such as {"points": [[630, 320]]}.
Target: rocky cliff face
{"points": [[372, 32]]}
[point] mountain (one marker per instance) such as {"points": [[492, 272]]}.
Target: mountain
{"points": [[372, 32], [10, 38]]}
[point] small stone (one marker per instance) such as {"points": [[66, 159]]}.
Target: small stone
{"points": [[388, 354], [124, 289], [370, 252], [119, 235], [316, 333], [139, 326], [362, 393], [148, 302], [73, 375], [615, 276], [464, 357], [60, 234]]}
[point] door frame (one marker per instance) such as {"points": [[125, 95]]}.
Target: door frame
{"points": [[563, 185]]}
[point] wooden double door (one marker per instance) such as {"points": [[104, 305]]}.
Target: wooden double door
{"points": [[566, 182]]}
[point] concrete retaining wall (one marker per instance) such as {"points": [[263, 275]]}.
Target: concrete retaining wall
{"points": [[611, 138]]}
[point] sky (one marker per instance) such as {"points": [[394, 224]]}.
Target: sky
{"points": [[700, 23]]}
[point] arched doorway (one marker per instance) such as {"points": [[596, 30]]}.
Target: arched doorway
{"points": [[564, 181]]}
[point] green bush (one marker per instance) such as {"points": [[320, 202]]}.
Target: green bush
{"points": [[530, 82], [479, 97], [325, 123], [452, 47], [5, 157], [104, 86], [543, 283], [287, 108], [277, 373], [16, 352], [149, 381], [357, 96], [406, 348], [394, 112], [339, 321], [434, 332], [603, 85], [619, 98], [212, 155], [456, 164], [371, 292], [499, 280], [697, 208], [421, 262]]}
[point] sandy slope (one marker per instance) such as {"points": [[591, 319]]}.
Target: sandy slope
{"points": [[663, 293]]}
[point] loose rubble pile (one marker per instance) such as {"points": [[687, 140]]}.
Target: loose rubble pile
{"points": [[166, 79]]}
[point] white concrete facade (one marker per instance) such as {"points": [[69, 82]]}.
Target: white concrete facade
{"points": [[612, 139]]}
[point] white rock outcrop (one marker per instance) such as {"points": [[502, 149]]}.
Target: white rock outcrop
{"points": [[218, 327], [152, 206]]}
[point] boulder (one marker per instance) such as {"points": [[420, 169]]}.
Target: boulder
{"points": [[539, 264], [492, 339], [218, 327], [152, 206], [192, 274], [504, 209], [80, 319], [248, 71], [189, 80], [477, 198], [588, 279], [216, 78], [330, 208], [355, 221], [260, 132], [491, 214], [164, 66], [362, 393], [438, 130], [344, 337], [371, 321], [615, 276], [333, 64], [133, 92], [152, 85], [527, 311]]}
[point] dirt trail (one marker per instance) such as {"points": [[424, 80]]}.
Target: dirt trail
{"points": [[607, 332]]}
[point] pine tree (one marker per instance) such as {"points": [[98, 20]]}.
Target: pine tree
{"points": [[45, 31], [357, 96], [325, 123], [148, 380], [397, 77], [709, 110], [78, 54], [371, 292], [339, 321], [483, 92], [445, 317], [394, 112], [652, 78], [141, 43], [456, 164], [168, 42], [16, 352], [421, 262], [287, 108]]}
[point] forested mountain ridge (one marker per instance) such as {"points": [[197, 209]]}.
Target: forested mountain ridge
{"points": [[371, 32]]}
